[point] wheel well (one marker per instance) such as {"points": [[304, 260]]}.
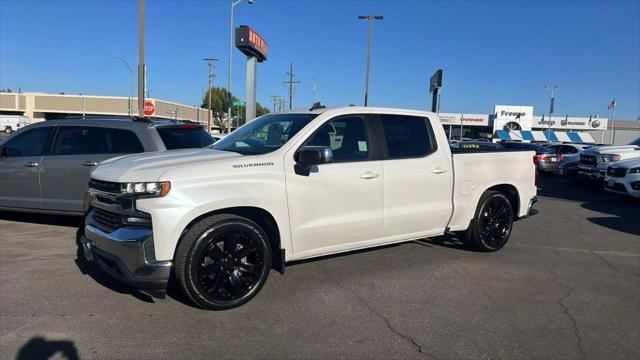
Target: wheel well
{"points": [[261, 217], [511, 193]]}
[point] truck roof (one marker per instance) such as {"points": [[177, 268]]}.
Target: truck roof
{"points": [[352, 109]]}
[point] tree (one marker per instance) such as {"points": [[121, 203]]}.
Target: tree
{"points": [[220, 104], [7, 90]]}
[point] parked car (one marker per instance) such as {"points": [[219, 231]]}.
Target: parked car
{"points": [[13, 123], [477, 145], [46, 166], [546, 160], [595, 160], [624, 177], [569, 169], [291, 186], [569, 152]]}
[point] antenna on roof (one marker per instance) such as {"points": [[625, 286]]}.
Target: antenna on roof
{"points": [[316, 106]]}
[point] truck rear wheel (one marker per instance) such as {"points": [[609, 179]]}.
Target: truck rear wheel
{"points": [[223, 261], [8, 130], [491, 226]]}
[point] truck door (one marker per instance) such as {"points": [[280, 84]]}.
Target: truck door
{"points": [[339, 205], [418, 178], [20, 162]]}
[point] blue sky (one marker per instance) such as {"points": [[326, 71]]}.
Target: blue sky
{"points": [[500, 52]]}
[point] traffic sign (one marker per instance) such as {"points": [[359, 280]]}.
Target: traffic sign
{"points": [[149, 108], [240, 103]]}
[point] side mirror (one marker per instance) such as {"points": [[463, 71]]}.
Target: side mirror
{"points": [[310, 156]]}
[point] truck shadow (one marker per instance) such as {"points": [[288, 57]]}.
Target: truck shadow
{"points": [[620, 210]]}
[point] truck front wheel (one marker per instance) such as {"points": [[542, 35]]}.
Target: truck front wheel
{"points": [[223, 261], [491, 226]]}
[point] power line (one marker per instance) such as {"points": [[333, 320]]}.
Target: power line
{"points": [[291, 83]]}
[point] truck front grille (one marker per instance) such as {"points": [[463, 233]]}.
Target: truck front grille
{"points": [[106, 186], [589, 160], [108, 219]]}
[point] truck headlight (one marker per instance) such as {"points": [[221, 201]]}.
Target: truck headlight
{"points": [[634, 171], [610, 157], [159, 189]]}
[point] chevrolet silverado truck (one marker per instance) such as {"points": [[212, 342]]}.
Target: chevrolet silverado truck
{"points": [[296, 185]]}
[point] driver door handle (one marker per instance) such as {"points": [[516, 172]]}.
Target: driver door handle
{"points": [[90, 163], [369, 175], [31, 164], [439, 170]]}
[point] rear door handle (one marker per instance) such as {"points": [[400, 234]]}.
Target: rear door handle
{"points": [[31, 164], [369, 175], [90, 163], [439, 171]]}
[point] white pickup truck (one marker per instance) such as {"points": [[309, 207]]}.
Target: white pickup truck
{"points": [[296, 185]]}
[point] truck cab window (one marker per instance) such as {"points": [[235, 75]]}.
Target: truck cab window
{"points": [[407, 136], [346, 136]]}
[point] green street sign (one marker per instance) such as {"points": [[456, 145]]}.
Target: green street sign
{"points": [[240, 103]]}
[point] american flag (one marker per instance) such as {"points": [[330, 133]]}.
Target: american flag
{"points": [[612, 105]]}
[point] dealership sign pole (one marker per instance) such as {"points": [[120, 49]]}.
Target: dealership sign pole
{"points": [[253, 45], [434, 87]]}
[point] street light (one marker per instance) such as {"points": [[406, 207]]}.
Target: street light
{"points": [[370, 19], [233, 4], [551, 89], [130, 82]]}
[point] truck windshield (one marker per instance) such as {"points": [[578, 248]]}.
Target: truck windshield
{"points": [[264, 134]]}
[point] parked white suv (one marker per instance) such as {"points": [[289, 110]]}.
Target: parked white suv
{"points": [[296, 185], [624, 177]]}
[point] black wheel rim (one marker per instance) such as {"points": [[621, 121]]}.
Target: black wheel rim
{"points": [[229, 264], [495, 222]]}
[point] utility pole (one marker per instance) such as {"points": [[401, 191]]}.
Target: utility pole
{"points": [[141, 65], [274, 100], [210, 77], [291, 83], [370, 19]]}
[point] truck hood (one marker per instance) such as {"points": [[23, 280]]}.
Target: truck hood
{"points": [[149, 166], [611, 149], [627, 164]]}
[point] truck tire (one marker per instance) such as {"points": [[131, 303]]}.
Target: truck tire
{"points": [[223, 261], [491, 226], [8, 130]]}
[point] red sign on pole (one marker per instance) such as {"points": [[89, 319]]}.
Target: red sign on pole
{"points": [[149, 108]]}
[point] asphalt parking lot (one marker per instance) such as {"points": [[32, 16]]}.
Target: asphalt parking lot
{"points": [[567, 285]]}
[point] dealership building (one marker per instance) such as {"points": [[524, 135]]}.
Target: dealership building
{"points": [[40, 107], [509, 122]]}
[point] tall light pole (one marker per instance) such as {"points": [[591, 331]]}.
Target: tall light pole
{"points": [[141, 66], [233, 4], [210, 77], [315, 86], [370, 19], [130, 81], [552, 100]]}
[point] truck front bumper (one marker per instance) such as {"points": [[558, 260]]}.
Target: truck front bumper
{"points": [[591, 173], [126, 254]]}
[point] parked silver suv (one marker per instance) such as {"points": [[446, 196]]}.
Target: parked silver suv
{"points": [[46, 166]]}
